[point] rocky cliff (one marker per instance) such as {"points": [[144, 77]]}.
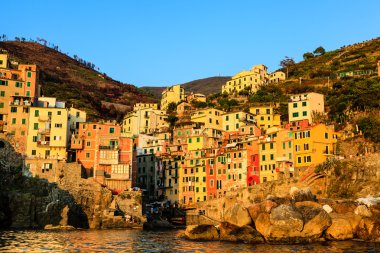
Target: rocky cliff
{"points": [[28, 202]]}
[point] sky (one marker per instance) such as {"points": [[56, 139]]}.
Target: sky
{"points": [[167, 42]]}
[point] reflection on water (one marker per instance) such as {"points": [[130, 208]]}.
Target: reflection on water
{"points": [[142, 241]]}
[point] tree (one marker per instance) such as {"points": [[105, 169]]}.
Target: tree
{"points": [[319, 51], [307, 55], [286, 63], [172, 107]]}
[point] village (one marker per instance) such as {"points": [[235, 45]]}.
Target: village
{"points": [[171, 151]]}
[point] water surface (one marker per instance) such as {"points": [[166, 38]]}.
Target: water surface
{"points": [[143, 241]]}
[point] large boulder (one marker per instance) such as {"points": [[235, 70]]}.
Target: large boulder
{"points": [[346, 206], [363, 211], [202, 232], [233, 233], [369, 230], [308, 224], [254, 211], [287, 218], [340, 229], [238, 215]]}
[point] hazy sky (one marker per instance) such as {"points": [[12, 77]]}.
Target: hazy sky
{"points": [[160, 43]]}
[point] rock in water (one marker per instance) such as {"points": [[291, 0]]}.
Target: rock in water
{"points": [[202, 232], [233, 233], [340, 229], [237, 215], [287, 218]]}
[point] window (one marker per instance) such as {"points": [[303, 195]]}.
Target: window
{"points": [[237, 116], [2, 93], [190, 140], [28, 84], [263, 146], [295, 105], [179, 133], [88, 134], [59, 112], [304, 103], [263, 157], [13, 121], [272, 157], [58, 125], [304, 113], [88, 144], [298, 147], [283, 145], [13, 109], [227, 127], [112, 130], [237, 125], [29, 74], [23, 121], [227, 118], [34, 152], [88, 155], [271, 145], [306, 146], [34, 138], [28, 93], [36, 113], [198, 139], [299, 159], [290, 144], [326, 135], [35, 126], [295, 114]]}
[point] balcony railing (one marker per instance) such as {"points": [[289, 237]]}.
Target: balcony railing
{"points": [[109, 147], [44, 131]]}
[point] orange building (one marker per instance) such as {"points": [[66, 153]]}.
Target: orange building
{"points": [[104, 154], [20, 82]]}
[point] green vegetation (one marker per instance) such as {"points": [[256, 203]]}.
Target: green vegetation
{"points": [[370, 126]]}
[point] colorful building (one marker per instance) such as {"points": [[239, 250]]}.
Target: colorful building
{"points": [[232, 121], [104, 154], [20, 82], [305, 106], [250, 80], [265, 116], [173, 94], [276, 77]]}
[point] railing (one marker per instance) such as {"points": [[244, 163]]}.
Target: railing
{"points": [[44, 131], [43, 143], [109, 147]]}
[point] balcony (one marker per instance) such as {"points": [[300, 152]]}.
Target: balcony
{"points": [[43, 143], [109, 157], [44, 131]]}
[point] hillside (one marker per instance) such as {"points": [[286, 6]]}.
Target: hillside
{"points": [[205, 86], [360, 57], [65, 78]]}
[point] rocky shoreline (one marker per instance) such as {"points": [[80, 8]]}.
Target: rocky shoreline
{"points": [[298, 217]]}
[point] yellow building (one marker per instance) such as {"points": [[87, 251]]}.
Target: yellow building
{"points": [[232, 121], [265, 116], [276, 77], [195, 97], [143, 121], [267, 156], [313, 145], [196, 142], [305, 106], [247, 80], [211, 118], [173, 94], [49, 134], [3, 61]]}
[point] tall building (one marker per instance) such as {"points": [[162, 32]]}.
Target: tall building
{"points": [[143, 120], [305, 106], [232, 121], [104, 154], [49, 130], [18, 82], [250, 80], [173, 94], [265, 116]]}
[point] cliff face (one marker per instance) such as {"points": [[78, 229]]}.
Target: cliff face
{"points": [[27, 202]]}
